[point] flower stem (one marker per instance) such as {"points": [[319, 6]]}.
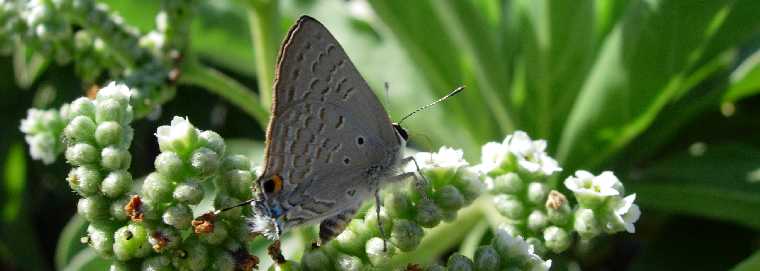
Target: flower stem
{"points": [[216, 82], [264, 21]]}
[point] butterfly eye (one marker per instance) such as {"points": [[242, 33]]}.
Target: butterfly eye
{"points": [[273, 185]]}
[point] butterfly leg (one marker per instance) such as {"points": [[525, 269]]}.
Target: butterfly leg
{"points": [[421, 182], [330, 227]]}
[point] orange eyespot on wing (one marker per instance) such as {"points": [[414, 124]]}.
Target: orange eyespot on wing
{"points": [[273, 185]]}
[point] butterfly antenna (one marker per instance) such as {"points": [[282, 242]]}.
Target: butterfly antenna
{"points": [[244, 203], [452, 93], [387, 98]]}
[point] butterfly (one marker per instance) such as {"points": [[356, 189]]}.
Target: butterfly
{"points": [[330, 144]]}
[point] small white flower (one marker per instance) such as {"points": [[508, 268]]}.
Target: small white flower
{"points": [[179, 137], [625, 214], [590, 190], [492, 156], [117, 91], [154, 41], [162, 21], [42, 147], [446, 157], [531, 154]]}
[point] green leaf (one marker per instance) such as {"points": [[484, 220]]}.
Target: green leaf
{"points": [[641, 66], [721, 183], [87, 259], [745, 80], [15, 182], [69, 243], [751, 263], [27, 65]]}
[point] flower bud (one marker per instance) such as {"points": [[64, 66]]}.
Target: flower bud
{"points": [[223, 201], [157, 188], [180, 137], [350, 242], [374, 249], [435, 267], [85, 180], [236, 161], [217, 235], [398, 205], [315, 259], [556, 239], [449, 198], [157, 263], [110, 110], [204, 161], [345, 262], [509, 183], [117, 209], [178, 215], [93, 208], [406, 235], [170, 165], [80, 129], [193, 256], [108, 133], [509, 206], [100, 236], [213, 141], [116, 183], [537, 220], [428, 214], [468, 184], [119, 266], [458, 262], [82, 154], [223, 261], [371, 222], [188, 192], [82, 107], [114, 158], [537, 193], [164, 238], [538, 245], [487, 259], [239, 182], [586, 223], [131, 241]]}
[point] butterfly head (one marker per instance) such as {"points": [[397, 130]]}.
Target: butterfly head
{"points": [[268, 215]]}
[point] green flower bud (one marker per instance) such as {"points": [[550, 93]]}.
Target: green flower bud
{"points": [[449, 215], [586, 224], [100, 236], [80, 129], [398, 205], [406, 235], [286, 266], [428, 214], [223, 201], [170, 165], [204, 161], [178, 216], [458, 262], [116, 183], [538, 245], [110, 110], [108, 133], [131, 241], [120, 266], [82, 107], [315, 259], [537, 193], [537, 220], [194, 257], [181, 137], [151, 209], [164, 238], [468, 184], [556, 239], [188, 192], [448, 197], [157, 263], [119, 93], [487, 259], [93, 208], [509, 183], [157, 188], [216, 236], [350, 242], [375, 253], [213, 141], [236, 161], [115, 158], [509, 206], [117, 209], [126, 137], [223, 261], [82, 154], [85, 180], [239, 182], [345, 262]]}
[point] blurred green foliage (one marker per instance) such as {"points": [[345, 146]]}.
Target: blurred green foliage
{"points": [[662, 92]]}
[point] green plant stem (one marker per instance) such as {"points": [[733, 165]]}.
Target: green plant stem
{"points": [[442, 237], [264, 19], [233, 91]]}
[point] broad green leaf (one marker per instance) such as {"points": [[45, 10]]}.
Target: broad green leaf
{"points": [[735, 24], [69, 242], [87, 259], [749, 264], [721, 183], [745, 80], [640, 67]]}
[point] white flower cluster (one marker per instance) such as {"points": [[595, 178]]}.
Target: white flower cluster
{"points": [[603, 194], [43, 129], [518, 151]]}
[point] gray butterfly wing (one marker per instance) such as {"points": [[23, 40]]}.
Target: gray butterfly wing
{"points": [[328, 131]]}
